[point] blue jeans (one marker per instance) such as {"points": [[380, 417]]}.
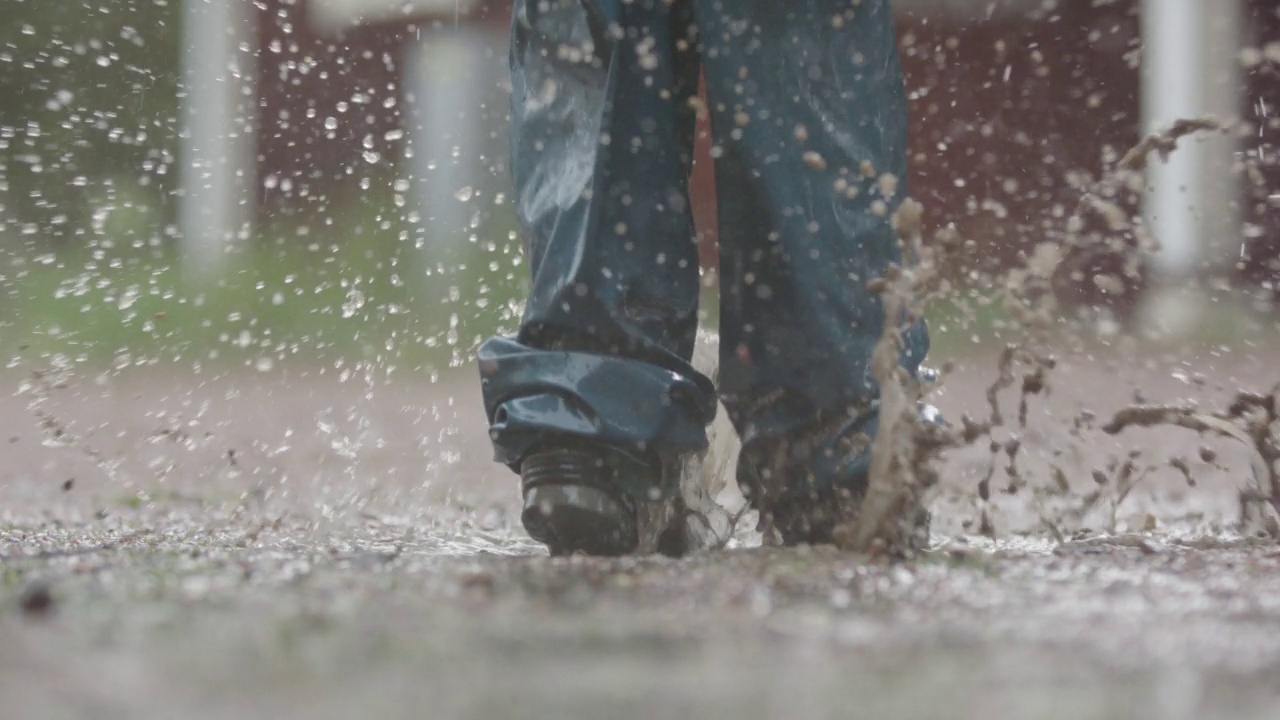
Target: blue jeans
{"points": [[809, 119]]}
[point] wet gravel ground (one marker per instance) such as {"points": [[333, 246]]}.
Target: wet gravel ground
{"points": [[290, 544]]}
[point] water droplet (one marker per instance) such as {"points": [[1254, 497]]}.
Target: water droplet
{"points": [[355, 301]]}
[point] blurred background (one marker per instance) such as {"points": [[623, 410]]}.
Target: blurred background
{"points": [[246, 182]]}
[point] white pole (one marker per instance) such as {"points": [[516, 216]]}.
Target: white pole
{"points": [[218, 118], [1190, 70], [1190, 60]]}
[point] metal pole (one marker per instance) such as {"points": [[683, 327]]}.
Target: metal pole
{"points": [[1189, 70], [218, 117]]}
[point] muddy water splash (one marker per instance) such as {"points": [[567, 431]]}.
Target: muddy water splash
{"points": [[900, 470], [1253, 420], [905, 452]]}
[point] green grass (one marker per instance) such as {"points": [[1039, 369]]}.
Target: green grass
{"points": [[359, 284], [336, 302], [359, 289]]}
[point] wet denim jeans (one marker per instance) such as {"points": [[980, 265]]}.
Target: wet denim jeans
{"points": [[809, 121]]}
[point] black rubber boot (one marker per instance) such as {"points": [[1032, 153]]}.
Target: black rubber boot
{"points": [[573, 503]]}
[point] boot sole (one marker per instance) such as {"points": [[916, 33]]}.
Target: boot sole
{"points": [[571, 519]]}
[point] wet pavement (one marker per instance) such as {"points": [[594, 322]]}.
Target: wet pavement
{"points": [[290, 544]]}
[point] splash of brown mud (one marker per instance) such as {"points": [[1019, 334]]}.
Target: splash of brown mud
{"points": [[1253, 420], [889, 515], [905, 452], [1104, 233]]}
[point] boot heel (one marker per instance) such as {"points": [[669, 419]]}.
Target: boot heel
{"points": [[569, 508]]}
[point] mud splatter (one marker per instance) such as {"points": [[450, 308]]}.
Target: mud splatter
{"points": [[40, 387], [1253, 420], [905, 450], [891, 512]]}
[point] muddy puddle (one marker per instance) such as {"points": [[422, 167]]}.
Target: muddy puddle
{"points": [[186, 550]]}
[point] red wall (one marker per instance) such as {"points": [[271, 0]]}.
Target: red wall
{"points": [[1004, 112]]}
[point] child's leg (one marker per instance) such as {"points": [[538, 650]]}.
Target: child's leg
{"points": [[601, 143], [809, 115]]}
